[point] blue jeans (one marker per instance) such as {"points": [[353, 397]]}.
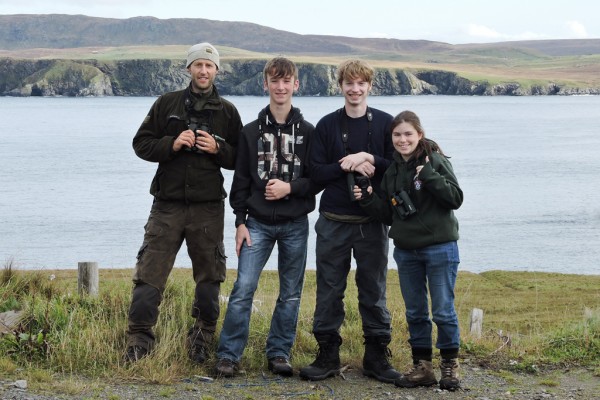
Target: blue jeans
{"points": [[291, 238], [435, 267]]}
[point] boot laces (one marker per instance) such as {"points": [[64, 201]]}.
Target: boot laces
{"points": [[412, 370], [447, 369], [416, 368], [385, 360]]}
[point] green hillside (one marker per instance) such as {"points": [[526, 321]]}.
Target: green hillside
{"points": [[52, 36]]}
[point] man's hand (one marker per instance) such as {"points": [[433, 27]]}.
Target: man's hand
{"points": [[206, 142], [241, 234], [277, 189], [185, 139], [366, 169], [350, 162]]}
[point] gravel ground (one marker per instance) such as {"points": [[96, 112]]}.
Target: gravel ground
{"points": [[477, 383]]}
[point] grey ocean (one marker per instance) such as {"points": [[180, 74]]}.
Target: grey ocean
{"points": [[72, 189]]}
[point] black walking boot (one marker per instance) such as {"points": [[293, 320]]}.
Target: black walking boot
{"points": [[198, 343], [376, 363], [134, 354], [327, 362]]}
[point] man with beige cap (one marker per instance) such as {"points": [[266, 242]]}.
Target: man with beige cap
{"points": [[191, 134]]}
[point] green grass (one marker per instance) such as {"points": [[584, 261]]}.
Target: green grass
{"points": [[493, 64], [173, 52], [530, 319]]}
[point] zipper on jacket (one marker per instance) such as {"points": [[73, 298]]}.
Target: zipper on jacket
{"points": [[276, 152]]}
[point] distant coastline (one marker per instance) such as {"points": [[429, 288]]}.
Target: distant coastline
{"points": [[82, 78], [142, 56]]}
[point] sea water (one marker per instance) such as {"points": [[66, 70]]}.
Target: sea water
{"points": [[72, 189]]}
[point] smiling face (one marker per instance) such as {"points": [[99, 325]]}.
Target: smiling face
{"points": [[203, 74], [281, 89], [405, 139], [355, 91], [280, 80], [355, 78]]}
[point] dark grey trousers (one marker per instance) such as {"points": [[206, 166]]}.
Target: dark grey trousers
{"points": [[337, 242]]}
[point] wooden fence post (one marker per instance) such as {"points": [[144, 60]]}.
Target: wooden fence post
{"points": [[476, 322], [87, 278]]}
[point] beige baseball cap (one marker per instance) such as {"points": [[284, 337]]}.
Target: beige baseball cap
{"points": [[203, 50]]}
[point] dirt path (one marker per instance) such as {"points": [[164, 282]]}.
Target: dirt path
{"points": [[478, 383]]}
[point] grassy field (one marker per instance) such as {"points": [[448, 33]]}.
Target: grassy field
{"points": [[530, 319], [494, 65]]}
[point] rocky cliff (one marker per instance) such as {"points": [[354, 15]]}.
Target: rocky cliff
{"points": [[237, 77]]}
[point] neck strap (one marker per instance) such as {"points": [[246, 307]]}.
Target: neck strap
{"points": [[346, 132]]}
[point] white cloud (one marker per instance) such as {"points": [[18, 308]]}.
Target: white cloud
{"points": [[482, 32], [577, 29]]}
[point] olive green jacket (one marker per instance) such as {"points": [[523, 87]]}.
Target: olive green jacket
{"points": [[185, 175], [435, 193]]}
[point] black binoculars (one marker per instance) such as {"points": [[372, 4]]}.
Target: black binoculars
{"points": [[363, 182], [403, 204], [197, 126]]}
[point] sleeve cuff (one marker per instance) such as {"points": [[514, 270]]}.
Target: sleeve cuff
{"points": [[240, 219]]}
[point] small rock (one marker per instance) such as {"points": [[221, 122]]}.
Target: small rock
{"points": [[9, 320], [20, 384], [204, 378]]}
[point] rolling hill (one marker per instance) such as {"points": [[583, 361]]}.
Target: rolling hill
{"points": [[566, 63]]}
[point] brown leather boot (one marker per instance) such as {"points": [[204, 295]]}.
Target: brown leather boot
{"points": [[421, 374], [450, 374]]}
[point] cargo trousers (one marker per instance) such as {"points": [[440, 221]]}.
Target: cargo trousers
{"points": [[169, 224]]}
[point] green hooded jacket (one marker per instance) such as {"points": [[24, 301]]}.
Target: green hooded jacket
{"points": [[435, 193]]}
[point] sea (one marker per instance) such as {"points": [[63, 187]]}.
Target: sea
{"points": [[72, 190]]}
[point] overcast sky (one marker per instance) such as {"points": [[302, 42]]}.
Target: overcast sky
{"points": [[450, 21]]}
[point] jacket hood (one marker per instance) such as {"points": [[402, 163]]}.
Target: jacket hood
{"points": [[294, 117], [410, 163]]}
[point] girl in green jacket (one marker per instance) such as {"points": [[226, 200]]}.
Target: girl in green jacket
{"points": [[420, 194]]}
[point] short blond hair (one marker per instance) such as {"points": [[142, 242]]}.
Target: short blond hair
{"points": [[353, 69]]}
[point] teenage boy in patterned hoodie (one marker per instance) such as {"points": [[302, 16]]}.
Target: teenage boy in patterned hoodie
{"points": [[271, 195]]}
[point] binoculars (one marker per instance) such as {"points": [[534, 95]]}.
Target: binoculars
{"points": [[403, 204]]}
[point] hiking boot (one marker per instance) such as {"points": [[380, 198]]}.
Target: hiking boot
{"points": [[197, 353], [327, 362], [280, 366], [376, 362], [421, 374], [450, 379], [198, 342], [225, 368], [134, 353]]}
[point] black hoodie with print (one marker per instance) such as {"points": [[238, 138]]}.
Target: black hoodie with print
{"points": [[268, 150]]}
